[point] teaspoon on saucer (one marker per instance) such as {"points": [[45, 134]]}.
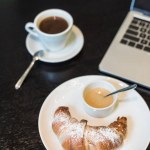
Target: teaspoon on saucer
{"points": [[123, 89], [36, 56]]}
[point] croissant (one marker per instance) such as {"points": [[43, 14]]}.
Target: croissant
{"points": [[77, 135]]}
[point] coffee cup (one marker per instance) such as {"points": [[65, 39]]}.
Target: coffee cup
{"points": [[94, 101], [52, 27]]}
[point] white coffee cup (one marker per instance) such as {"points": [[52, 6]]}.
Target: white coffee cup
{"points": [[99, 112], [51, 42]]}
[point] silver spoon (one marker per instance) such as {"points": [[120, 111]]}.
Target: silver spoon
{"points": [[123, 89], [37, 56]]}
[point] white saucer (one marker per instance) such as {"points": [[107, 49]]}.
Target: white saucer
{"points": [[72, 48], [69, 93]]}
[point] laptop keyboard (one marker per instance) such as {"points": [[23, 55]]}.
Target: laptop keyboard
{"points": [[138, 35]]}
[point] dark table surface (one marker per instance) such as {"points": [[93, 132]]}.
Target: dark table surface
{"points": [[99, 21]]}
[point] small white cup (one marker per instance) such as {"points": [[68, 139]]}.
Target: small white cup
{"points": [[99, 112], [51, 42]]}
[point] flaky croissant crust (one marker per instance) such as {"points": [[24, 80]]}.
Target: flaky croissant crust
{"points": [[77, 135]]}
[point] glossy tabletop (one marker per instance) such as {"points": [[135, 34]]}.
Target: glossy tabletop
{"points": [[98, 20]]}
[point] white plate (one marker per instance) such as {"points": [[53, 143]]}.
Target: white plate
{"points": [[131, 105], [73, 47]]}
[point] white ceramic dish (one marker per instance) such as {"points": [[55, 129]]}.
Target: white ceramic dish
{"points": [[73, 47], [99, 112], [131, 105]]}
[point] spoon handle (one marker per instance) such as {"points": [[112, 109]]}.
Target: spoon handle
{"points": [[22, 78], [124, 89]]}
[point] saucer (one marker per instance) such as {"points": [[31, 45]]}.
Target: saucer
{"points": [[73, 47]]}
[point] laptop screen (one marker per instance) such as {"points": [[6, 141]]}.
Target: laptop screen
{"points": [[141, 5]]}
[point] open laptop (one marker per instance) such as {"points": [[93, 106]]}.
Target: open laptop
{"points": [[128, 56]]}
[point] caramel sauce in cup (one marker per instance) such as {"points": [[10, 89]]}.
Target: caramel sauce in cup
{"points": [[95, 97]]}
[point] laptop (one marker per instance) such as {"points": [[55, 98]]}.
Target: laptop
{"points": [[128, 56]]}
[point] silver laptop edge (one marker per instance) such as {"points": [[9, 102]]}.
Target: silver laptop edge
{"points": [[127, 62]]}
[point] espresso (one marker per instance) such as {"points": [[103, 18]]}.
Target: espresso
{"points": [[53, 25]]}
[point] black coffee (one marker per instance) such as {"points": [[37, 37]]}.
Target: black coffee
{"points": [[53, 25]]}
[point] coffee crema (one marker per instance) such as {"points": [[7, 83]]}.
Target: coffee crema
{"points": [[95, 97], [53, 25]]}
